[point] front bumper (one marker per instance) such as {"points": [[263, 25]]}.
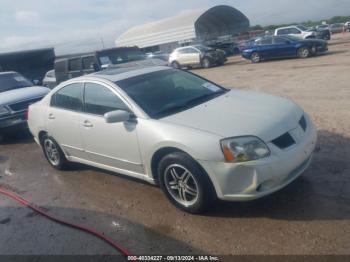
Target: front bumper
{"points": [[256, 179], [17, 120]]}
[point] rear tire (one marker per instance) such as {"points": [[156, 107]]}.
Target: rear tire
{"points": [[185, 183], [53, 153], [304, 52]]}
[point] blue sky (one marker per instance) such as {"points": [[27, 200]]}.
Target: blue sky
{"points": [[79, 25]]}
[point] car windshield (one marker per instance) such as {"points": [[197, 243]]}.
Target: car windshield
{"points": [[167, 92], [13, 81], [303, 28]]}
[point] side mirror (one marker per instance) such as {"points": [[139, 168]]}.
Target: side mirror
{"points": [[117, 116]]}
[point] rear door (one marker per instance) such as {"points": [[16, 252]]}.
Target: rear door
{"points": [[63, 119]]}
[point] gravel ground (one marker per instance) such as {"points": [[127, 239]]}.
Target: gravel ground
{"points": [[311, 216]]}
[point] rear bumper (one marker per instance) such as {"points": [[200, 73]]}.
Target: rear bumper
{"points": [[256, 179]]}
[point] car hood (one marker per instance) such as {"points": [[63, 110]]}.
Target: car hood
{"points": [[241, 113], [16, 95]]}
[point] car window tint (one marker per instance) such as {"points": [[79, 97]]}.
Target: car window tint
{"points": [[68, 97], [100, 100], [267, 41], [282, 32], [294, 31], [166, 89], [88, 62], [279, 40], [74, 64]]}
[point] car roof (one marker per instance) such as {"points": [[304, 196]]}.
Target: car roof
{"points": [[117, 74]]}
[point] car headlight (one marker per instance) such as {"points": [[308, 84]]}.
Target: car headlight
{"points": [[243, 149], [4, 111]]}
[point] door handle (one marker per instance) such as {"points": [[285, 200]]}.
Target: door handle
{"points": [[51, 116], [87, 123]]}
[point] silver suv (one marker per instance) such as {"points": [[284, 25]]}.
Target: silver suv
{"points": [[196, 56]]}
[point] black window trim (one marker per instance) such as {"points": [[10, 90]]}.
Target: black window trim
{"points": [[113, 90], [81, 97]]}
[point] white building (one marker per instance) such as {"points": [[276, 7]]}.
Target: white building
{"points": [[188, 27]]}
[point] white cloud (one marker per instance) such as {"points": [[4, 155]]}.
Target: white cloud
{"points": [[74, 26], [27, 17]]}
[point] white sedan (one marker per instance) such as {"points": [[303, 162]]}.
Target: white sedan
{"points": [[195, 139]]}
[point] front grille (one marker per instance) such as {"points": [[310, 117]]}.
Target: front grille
{"points": [[302, 123], [23, 105], [284, 141]]}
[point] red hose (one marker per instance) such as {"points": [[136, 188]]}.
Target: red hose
{"points": [[42, 212]]}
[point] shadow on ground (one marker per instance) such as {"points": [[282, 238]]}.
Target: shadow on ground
{"points": [[26, 232]]}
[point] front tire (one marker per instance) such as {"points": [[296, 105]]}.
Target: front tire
{"points": [[255, 57], [206, 63], [304, 52], [185, 183], [53, 153]]}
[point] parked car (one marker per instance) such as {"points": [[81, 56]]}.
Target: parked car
{"points": [[196, 56], [299, 31], [168, 127], [347, 26], [68, 68], [50, 79], [322, 33], [273, 47], [229, 48], [16, 94], [337, 28]]}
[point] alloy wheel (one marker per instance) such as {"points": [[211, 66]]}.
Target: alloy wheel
{"points": [[51, 152], [181, 185]]}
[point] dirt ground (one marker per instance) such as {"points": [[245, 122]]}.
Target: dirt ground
{"points": [[311, 216]]}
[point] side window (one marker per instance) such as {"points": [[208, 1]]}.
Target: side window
{"points": [[182, 51], [283, 32], [192, 51], [100, 100], [74, 64], [88, 62], [267, 41], [68, 97], [279, 40], [294, 31]]}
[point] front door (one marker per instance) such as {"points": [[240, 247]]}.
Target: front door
{"points": [[111, 144]]}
